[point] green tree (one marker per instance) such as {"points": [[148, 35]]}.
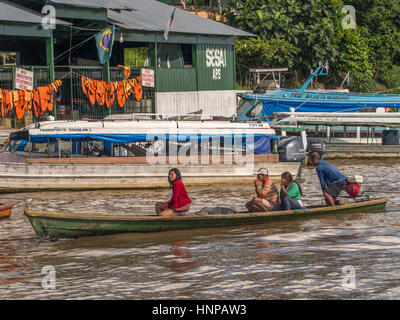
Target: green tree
{"points": [[308, 25]]}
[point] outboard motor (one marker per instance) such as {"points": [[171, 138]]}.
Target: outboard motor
{"points": [[291, 149], [316, 145], [354, 185]]}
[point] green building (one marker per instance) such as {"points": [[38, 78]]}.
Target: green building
{"points": [[194, 68]]}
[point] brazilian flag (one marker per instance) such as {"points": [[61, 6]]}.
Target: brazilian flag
{"points": [[104, 43]]}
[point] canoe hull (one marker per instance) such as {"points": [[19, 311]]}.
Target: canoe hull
{"points": [[5, 210], [57, 225]]}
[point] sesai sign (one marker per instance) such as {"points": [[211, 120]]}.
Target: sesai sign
{"points": [[216, 59]]}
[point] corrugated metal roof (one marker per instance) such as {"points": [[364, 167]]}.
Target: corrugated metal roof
{"points": [[107, 4], [151, 15], [15, 13]]}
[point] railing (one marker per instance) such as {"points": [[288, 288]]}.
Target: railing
{"points": [[74, 105]]}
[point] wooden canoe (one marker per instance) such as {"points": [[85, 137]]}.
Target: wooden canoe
{"points": [[5, 210], [59, 224]]}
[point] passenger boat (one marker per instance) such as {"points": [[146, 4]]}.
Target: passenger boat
{"points": [[59, 224], [262, 106], [118, 152], [5, 210]]}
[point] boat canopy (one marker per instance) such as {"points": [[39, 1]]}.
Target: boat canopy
{"points": [[255, 137]]}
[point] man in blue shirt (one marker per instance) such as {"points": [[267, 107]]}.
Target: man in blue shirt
{"points": [[332, 180]]}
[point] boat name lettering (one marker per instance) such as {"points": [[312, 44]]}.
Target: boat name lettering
{"points": [[256, 125], [320, 96], [66, 130]]}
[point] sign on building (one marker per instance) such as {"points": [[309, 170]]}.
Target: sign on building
{"points": [[23, 79], [147, 78], [216, 59]]}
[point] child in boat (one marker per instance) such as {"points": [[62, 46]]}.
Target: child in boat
{"points": [[267, 193], [332, 181], [179, 202], [290, 193]]}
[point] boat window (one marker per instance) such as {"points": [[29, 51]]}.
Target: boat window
{"points": [[93, 148], [255, 111], [14, 145], [243, 106]]}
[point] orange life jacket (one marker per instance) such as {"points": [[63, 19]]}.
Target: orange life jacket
{"points": [[85, 84], [100, 93], [137, 87], [45, 98], [92, 91], [122, 93], [36, 103], [127, 71], [20, 105], [109, 94], [1, 103], [28, 99]]}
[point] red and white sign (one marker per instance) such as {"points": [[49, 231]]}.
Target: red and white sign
{"points": [[147, 78], [23, 79]]}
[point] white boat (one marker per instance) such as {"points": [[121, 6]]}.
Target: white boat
{"points": [[131, 153]]}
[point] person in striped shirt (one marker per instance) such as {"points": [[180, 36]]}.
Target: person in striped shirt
{"points": [[267, 197]]}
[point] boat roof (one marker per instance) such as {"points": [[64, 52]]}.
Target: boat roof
{"points": [[139, 130], [368, 119]]}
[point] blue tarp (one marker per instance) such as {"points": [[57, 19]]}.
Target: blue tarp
{"points": [[261, 145]]}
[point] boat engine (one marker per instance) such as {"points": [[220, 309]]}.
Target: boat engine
{"points": [[316, 145], [354, 185], [291, 149]]}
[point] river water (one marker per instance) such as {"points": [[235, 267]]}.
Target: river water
{"points": [[348, 256]]}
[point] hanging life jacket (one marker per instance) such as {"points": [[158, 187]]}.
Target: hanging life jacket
{"points": [[100, 93], [45, 98], [127, 71], [20, 105], [122, 93], [36, 103], [92, 91], [109, 94]]}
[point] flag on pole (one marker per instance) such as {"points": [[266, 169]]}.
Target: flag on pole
{"points": [[104, 43], [171, 18]]}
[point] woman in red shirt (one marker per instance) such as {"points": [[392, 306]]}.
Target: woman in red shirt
{"points": [[179, 202]]}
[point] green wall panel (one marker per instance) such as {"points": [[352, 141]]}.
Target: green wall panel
{"points": [[179, 79], [216, 67]]}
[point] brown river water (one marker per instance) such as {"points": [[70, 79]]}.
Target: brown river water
{"points": [[301, 259]]}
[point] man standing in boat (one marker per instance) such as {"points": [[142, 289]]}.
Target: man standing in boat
{"points": [[267, 193], [333, 182]]}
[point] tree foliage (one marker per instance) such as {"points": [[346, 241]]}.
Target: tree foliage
{"points": [[314, 28]]}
